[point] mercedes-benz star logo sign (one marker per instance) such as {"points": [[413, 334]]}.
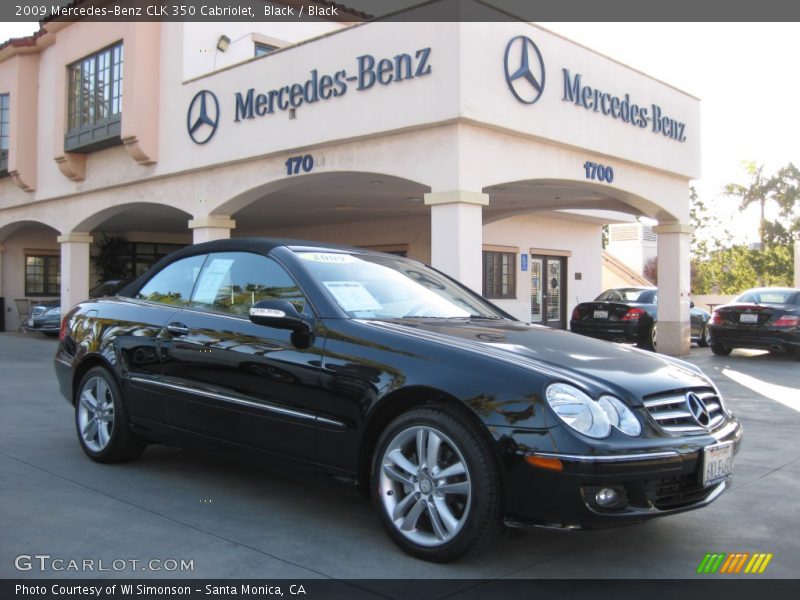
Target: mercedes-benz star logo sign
{"points": [[698, 409], [203, 117], [524, 69]]}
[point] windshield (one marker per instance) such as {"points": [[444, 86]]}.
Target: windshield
{"points": [[638, 295], [368, 286], [774, 296]]}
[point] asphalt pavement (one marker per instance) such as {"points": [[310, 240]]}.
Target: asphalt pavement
{"points": [[233, 521]]}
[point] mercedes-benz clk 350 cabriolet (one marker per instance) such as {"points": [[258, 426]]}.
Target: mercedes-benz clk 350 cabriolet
{"points": [[377, 370]]}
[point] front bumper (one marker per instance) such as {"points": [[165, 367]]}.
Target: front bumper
{"points": [[650, 484], [42, 326]]}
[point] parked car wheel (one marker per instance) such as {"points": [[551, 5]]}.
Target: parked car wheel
{"points": [[705, 339], [720, 350], [650, 342], [101, 419], [435, 486]]}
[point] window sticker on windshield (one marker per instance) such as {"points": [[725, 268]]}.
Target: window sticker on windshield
{"points": [[327, 257], [210, 282], [352, 296]]}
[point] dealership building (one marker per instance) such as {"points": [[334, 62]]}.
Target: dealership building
{"points": [[493, 151]]}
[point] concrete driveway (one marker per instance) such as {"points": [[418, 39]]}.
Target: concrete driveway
{"points": [[233, 521]]}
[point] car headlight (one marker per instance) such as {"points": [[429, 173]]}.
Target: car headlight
{"points": [[55, 311], [589, 417], [620, 416]]}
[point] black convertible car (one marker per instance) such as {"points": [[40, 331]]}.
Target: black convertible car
{"points": [[628, 314], [385, 373], [761, 318]]}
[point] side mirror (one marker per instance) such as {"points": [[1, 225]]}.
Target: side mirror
{"points": [[280, 314], [691, 304]]}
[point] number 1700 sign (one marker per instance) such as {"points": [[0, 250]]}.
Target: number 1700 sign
{"points": [[598, 172]]}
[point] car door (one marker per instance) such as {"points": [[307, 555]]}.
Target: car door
{"points": [[136, 325], [234, 380]]}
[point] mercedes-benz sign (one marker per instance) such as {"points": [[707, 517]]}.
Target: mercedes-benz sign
{"points": [[524, 69]]}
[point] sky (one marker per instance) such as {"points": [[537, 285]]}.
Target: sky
{"points": [[744, 74]]}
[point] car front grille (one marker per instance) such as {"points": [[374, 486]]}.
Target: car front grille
{"points": [[672, 412], [38, 311], [676, 492]]}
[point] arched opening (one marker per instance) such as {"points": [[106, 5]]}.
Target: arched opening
{"points": [[354, 208], [129, 238], [30, 271]]}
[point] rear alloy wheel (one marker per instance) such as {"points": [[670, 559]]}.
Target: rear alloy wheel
{"points": [[435, 485], [101, 419], [705, 338], [720, 350], [649, 342]]}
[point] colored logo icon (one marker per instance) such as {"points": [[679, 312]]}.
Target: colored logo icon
{"points": [[734, 563], [524, 69], [202, 117]]}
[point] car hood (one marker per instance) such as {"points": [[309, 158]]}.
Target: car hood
{"points": [[628, 372]]}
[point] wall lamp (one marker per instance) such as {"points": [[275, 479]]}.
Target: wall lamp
{"points": [[223, 42]]}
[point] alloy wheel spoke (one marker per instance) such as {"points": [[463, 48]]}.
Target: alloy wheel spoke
{"points": [[452, 471], [401, 508], [88, 400], [461, 488], [398, 458], [102, 434], [436, 522], [422, 436], [108, 417], [397, 475], [90, 430], [410, 522], [447, 517], [434, 445], [101, 392]]}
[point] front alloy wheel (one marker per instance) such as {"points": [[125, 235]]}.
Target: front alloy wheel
{"points": [[436, 485]]}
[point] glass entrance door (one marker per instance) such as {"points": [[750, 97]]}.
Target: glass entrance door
{"points": [[548, 291]]}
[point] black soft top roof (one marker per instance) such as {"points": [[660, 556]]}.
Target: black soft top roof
{"points": [[261, 245]]}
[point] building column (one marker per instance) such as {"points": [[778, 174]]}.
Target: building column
{"points": [[210, 228], [797, 260], [674, 282], [457, 234], [74, 269]]}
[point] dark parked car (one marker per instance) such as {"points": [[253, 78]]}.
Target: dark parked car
{"points": [[46, 317], [762, 318], [628, 314], [382, 372]]}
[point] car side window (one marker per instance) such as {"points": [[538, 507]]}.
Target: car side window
{"points": [[231, 282], [174, 283]]}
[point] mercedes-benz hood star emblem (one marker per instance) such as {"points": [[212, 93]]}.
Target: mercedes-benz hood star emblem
{"points": [[203, 117], [524, 69]]}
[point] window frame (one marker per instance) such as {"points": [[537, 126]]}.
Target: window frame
{"points": [[269, 48], [49, 258], [5, 131], [497, 292], [98, 133]]}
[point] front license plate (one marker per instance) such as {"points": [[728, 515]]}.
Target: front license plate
{"points": [[745, 318], [717, 463], [601, 314]]}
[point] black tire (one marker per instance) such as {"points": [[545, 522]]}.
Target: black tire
{"points": [[104, 443], [649, 341], [720, 350], [471, 520], [704, 340]]}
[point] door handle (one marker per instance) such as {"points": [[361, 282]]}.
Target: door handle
{"points": [[177, 329]]}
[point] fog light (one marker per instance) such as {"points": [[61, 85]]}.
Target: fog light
{"points": [[606, 497]]}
